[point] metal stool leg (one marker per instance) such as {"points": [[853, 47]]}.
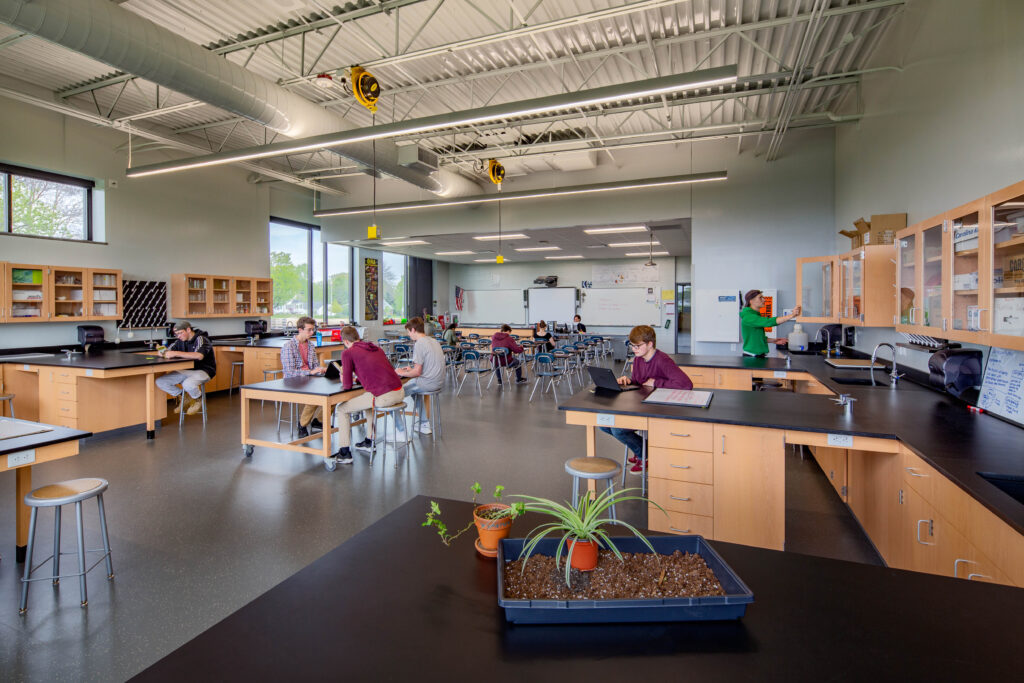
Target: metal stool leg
{"points": [[202, 397], [56, 545], [575, 491], [106, 539], [28, 560], [611, 489], [81, 554]]}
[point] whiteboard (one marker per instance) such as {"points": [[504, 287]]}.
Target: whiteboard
{"points": [[552, 303], [716, 315], [492, 307], [626, 306], [1002, 390], [625, 274]]}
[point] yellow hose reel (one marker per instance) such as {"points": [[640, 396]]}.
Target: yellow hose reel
{"points": [[495, 171], [365, 88]]}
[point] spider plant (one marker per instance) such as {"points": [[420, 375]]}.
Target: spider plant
{"points": [[585, 522]]}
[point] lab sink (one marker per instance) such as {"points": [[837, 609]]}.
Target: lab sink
{"points": [[861, 381], [1011, 485]]}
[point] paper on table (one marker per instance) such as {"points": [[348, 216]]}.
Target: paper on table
{"points": [[10, 429], [680, 397]]}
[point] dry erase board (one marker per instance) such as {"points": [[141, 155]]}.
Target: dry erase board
{"points": [[1002, 390], [493, 306], [622, 306]]}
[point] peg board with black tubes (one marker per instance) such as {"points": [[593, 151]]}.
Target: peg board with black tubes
{"points": [[145, 304]]}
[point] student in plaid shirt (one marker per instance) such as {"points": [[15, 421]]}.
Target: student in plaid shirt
{"points": [[299, 359]]}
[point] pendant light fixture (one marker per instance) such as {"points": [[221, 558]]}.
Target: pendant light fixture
{"points": [[496, 172], [373, 232], [650, 256]]}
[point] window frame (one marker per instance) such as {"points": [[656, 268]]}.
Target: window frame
{"points": [[405, 285], [310, 229], [8, 208]]}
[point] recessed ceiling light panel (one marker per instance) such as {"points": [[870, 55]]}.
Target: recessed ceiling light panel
{"points": [[627, 228]]}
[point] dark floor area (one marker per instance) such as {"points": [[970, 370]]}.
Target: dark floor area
{"points": [[197, 530]]}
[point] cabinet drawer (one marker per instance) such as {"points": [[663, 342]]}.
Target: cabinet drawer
{"points": [[64, 377], [682, 496], [692, 466], [680, 523], [702, 378], [681, 434], [67, 409], [69, 422], [922, 477], [67, 392]]}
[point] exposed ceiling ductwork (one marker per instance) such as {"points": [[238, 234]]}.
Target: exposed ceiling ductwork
{"points": [[102, 30]]}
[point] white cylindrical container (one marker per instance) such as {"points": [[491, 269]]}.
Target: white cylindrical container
{"points": [[798, 338]]}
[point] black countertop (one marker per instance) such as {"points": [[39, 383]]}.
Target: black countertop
{"points": [[271, 343], [54, 436], [394, 604], [106, 360], [314, 386], [936, 426]]}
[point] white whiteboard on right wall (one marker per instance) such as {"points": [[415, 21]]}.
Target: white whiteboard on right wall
{"points": [[620, 306], [716, 315], [1002, 390]]}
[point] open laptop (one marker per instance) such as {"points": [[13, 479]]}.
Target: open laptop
{"points": [[333, 370], [604, 378]]}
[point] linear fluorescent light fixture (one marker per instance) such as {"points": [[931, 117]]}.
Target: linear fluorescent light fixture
{"points": [[539, 249], [651, 87], [647, 253], [628, 228], [645, 243], [510, 236], [561, 258], [403, 243], [486, 260], [616, 186], [453, 253]]}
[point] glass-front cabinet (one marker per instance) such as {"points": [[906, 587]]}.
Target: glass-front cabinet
{"points": [[921, 277], [1005, 249], [817, 289], [906, 278], [26, 292], [969, 315], [866, 279], [68, 293], [932, 277], [851, 272]]}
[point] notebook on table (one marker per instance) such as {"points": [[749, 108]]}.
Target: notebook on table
{"points": [[680, 397]]}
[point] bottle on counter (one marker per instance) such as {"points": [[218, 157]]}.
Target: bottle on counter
{"points": [[798, 338], [320, 338]]}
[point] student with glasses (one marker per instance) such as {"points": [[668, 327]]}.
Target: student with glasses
{"points": [[651, 368]]}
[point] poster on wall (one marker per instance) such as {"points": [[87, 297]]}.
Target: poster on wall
{"points": [[370, 278], [768, 309]]}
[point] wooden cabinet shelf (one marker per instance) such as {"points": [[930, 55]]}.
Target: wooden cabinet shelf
{"points": [[220, 296], [43, 293]]}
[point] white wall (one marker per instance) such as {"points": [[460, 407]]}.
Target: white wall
{"points": [[570, 274], [205, 221], [684, 264]]}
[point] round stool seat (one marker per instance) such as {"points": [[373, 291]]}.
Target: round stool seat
{"points": [[389, 409], [65, 492], [592, 468]]}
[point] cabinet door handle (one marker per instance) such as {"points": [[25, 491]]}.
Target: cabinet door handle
{"points": [[970, 577], [919, 531], [680, 467], [723, 444], [685, 500], [913, 473], [681, 531], [956, 566], [674, 434]]}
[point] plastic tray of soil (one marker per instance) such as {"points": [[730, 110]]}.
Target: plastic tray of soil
{"points": [[732, 605]]}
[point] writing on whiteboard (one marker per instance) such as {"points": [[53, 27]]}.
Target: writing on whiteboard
{"points": [[1003, 387]]}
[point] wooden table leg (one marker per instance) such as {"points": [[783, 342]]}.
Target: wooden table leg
{"points": [[245, 416], [150, 405], [591, 452], [23, 485], [325, 427]]}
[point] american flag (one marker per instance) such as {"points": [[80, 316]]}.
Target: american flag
{"points": [[459, 292]]}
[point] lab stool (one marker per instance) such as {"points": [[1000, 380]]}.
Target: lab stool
{"points": [[394, 413], [592, 468], [10, 403], [202, 399], [240, 366], [267, 376], [55, 496], [435, 411]]}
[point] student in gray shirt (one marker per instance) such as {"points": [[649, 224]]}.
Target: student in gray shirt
{"points": [[428, 369]]}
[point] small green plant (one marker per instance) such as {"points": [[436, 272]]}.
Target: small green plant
{"points": [[585, 522], [434, 514]]}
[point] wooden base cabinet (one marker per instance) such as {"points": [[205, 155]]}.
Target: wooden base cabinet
{"points": [[832, 462], [750, 486], [873, 494]]}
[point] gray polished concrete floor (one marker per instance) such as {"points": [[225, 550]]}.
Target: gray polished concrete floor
{"points": [[197, 530]]}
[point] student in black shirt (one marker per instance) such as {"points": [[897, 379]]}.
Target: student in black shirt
{"points": [[579, 326], [195, 346], [543, 337]]}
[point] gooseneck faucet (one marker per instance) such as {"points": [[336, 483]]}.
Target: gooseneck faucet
{"points": [[894, 376]]}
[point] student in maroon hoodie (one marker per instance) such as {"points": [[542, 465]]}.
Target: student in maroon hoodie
{"points": [[651, 368], [504, 340], [382, 384]]}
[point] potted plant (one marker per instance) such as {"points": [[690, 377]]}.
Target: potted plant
{"points": [[492, 520], [581, 527]]}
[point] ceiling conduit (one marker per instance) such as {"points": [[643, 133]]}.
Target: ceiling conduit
{"points": [[123, 40]]}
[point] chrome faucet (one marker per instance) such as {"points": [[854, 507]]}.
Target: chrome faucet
{"points": [[845, 401], [828, 337], [894, 376]]}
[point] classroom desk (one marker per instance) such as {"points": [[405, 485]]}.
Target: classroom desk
{"points": [[94, 392], [363, 614], [21, 453], [265, 354], [315, 391]]}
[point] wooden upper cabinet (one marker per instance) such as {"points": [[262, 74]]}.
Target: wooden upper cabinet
{"points": [[27, 295], [1002, 263], [867, 276], [922, 278], [104, 295], [817, 289], [220, 296], [969, 262], [69, 293]]}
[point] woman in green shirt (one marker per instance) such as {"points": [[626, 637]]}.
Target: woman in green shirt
{"points": [[752, 324]]}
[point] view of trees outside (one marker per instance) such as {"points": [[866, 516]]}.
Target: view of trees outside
{"points": [[46, 208], [394, 278], [290, 270], [339, 281]]}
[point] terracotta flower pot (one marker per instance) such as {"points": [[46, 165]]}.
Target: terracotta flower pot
{"points": [[491, 531], [584, 555]]}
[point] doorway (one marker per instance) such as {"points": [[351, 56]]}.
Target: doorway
{"points": [[683, 317]]}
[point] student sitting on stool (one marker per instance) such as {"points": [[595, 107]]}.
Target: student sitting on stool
{"points": [[428, 368], [580, 328], [299, 359], [651, 368], [194, 346], [503, 339], [383, 387], [543, 338]]}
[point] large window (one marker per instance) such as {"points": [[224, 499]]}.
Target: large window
{"points": [[45, 204], [298, 262], [393, 284]]}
